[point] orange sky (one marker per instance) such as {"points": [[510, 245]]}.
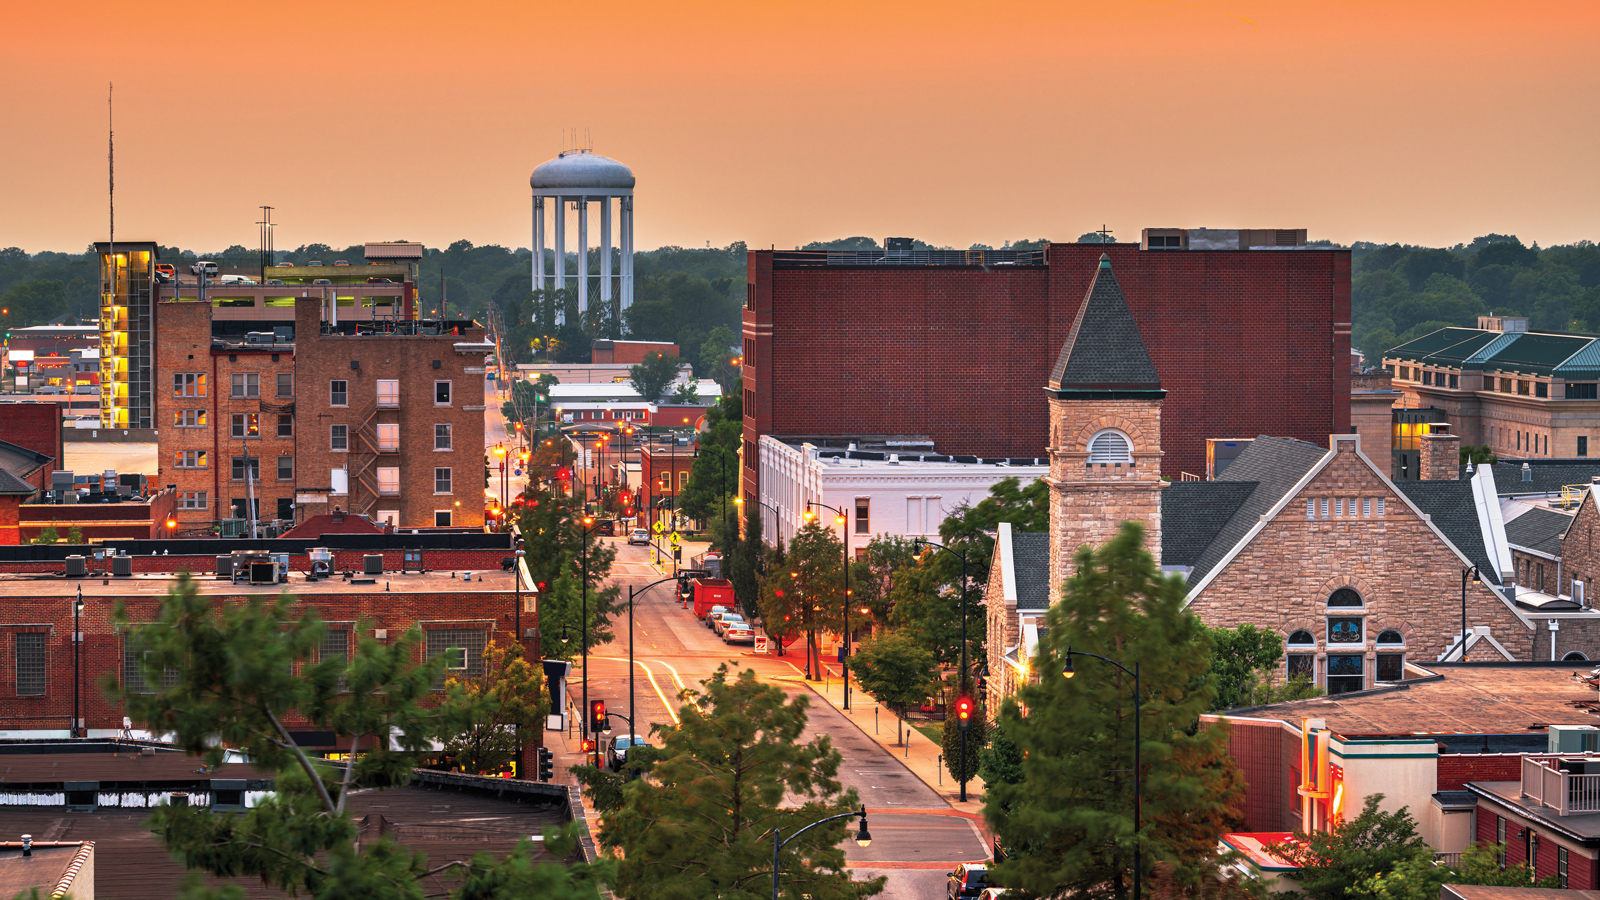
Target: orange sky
{"points": [[1421, 121]]}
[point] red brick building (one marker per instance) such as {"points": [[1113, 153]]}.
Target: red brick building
{"points": [[628, 353], [31, 445], [957, 350]]}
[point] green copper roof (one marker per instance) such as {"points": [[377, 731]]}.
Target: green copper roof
{"points": [[1567, 356], [1445, 347]]}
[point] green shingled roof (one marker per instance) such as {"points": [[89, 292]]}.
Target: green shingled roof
{"points": [[1568, 356]]}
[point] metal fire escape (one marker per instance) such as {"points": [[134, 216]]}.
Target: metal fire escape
{"points": [[364, 462]]}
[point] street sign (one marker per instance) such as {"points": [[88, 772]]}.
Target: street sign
{"points": [[656, 527], [761, 643], [675, 539]]}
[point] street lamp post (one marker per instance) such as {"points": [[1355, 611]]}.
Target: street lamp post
{"points": [[1138, 762], [961, 555], [1466, 572], [844, 625], [516, 577], [631, 593], [77, 641], [584, 637], [863, 838], [777, 521]]}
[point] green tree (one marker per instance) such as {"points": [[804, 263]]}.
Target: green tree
{"points": [[714, 476], [1417, 877], [1477, 455], [1337, 863], [48, 535], [227, 680], [651, 377], [74, 535], [896, 670], [702, 824], [815, 577], [1068, 823], [555, 535], [510, 707], [964, 767], [686, 393], [716, 356], [1242, 659], [33, 303], [1001, 760]]}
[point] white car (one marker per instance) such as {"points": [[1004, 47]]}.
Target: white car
{"points": [[739, 633], [639, 536], [725, 620]]}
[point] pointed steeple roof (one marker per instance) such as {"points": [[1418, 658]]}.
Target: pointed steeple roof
{"points": [[1104, 351]]}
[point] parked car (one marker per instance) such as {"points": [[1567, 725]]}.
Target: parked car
{"points": [[322, 281], [377, 280], [315, 262], [639, 536], [234, 279], [204, 267], [712, 612], [166, 272], [716, 618], [739, 633], [276, 282], [617, 747], [967, 882], [341, 262], [725, 620]]}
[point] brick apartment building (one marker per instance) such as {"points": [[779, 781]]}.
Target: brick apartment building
{"points": [[955, 347], [627, 353], [379, 417]]}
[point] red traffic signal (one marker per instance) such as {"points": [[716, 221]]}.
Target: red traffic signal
{"points": [[597, 715], [588, 746], [964, 711], [563, 474]]}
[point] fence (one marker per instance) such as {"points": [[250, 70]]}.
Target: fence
{"points": [[1567, 792]]}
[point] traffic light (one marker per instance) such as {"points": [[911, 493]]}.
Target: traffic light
{"points": [[964, 712], [597, 716], [588, 746], [547, 764], [563, 474]]}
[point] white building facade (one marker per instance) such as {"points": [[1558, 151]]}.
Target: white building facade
{"points": [[904, 494]]}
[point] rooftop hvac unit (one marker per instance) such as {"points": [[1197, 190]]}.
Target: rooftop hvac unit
{"points": [[321, 561], [263, 571], [61, 481], [1574, 739], [372, 564], [225, 565], [411, 561], [77, 566], [122, 565]]}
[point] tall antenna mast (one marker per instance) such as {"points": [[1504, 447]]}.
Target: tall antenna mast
{"points": [[111, 174]]}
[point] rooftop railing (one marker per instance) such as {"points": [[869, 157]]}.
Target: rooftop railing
{"points": [[1562, 783]]}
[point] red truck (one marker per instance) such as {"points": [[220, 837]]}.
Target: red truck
{"points": [[709, 592]]}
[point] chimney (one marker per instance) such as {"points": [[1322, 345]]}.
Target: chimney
{"points": [[1441, 454]]}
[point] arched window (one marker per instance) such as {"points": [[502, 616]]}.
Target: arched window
{"points": [[1110, 446], [1302, 638], [1574, 656], [1344, 597], [1390, 637]]}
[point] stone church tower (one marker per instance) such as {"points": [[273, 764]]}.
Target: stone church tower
{"points": [[1105, 430]]}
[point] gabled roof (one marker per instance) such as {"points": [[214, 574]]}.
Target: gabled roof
{"points": [[1030, 560], [343, 523], [1539, 530], [1546, 477], [1272, 465], [1193, 512], [11, 484], [1451, 506], [20, 460], [1104, 350]]}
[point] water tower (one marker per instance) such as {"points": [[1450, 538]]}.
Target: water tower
{"points": [[571, 183]]}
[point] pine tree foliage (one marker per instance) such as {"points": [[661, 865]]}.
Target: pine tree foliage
{"points": [[227, 679], [731, 771], [1069, 824], [511, 705]]}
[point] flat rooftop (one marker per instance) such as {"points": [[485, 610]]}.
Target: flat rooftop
{"points": [[438, 582], [1469, 697]]}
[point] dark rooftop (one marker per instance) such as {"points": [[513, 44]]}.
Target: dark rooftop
{"points": [[1548, 476], [1030, 555], [1104, 350], [1454, 511], [44, 869], [1193, 512], [1539, 530]]}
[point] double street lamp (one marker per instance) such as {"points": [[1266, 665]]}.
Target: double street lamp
{"points": [[1138, 780], [1467, 573], [584, 634], [961, 555], [777, 520], [631, 594], [844, 624], [863, 838]]}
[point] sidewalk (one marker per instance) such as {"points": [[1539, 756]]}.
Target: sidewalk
{"points": [[921, 757]]}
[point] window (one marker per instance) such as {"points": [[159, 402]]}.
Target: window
{"points": [[239, 467], [683, 481], [335, 645], [1380, 506], [1392, 664], [1345, 673], [1311, 508], [1500, 838], [246, 425], [1455, 381], [285, 384], [862, 505], [31, 664], [1533, 848], [286, 509], [1303, 665], [441, 480], [133, 655], [192, 500], [1540, 389], [1302, 638], [1583, 391], [1324, 507], [388, 437], [1583, 445], [1505, 385], [388, 393], [1366, 506], [245, 384], [338, 393], [441, 518], [1110, 446], [1344, 630], [189, 459], [1574, 656], [1345, 597], [441, 437], [339, 437], [1522, 388], [389, 480], [749, 403], [285, 425], [1561, 862], [189, 418], [463, 649], [285, 468], [441, 393], [1427, 378], [189, 384], [1338, 507]]}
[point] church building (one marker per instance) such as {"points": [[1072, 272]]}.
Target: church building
{"points": [[1357, 573]]}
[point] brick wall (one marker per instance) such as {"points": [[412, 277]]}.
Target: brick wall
{"points": [[1259, 750], [1441, 455], [10, 536], [102, 651], [1272, 325], [38, 427], [1407, 576], [1088, 504], [1455, 770]]}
